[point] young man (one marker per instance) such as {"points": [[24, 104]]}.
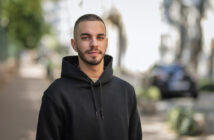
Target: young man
{"points": [[88, 102]]}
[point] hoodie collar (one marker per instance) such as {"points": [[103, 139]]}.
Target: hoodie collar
{"points": [[71, 70]]}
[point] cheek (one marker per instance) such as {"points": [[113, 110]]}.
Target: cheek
{"points": [[104, 46], [83, 45]]}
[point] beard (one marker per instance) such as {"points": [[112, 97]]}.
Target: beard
{"points": [[94, 61]]}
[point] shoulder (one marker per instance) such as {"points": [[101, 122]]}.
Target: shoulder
{"points": [[56, 88], [123, 83], [127, 90], [53, 96], [57, 84]]}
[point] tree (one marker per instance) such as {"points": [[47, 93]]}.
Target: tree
{"points": [[116, 18], [187, 20], [24, 21], [3, 35]]}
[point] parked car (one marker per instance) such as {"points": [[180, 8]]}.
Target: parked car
{"points": [[173, 81]]}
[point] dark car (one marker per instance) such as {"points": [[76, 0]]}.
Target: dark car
{"points": [[173, 81]]}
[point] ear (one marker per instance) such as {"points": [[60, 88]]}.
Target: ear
{"points": [[73, 44]]}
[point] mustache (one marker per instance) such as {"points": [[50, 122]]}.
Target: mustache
{"points": [[97, 50]]}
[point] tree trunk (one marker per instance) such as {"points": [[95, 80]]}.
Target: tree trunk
{"points": [[210, 62]]}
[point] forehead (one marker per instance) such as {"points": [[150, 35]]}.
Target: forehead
{"points": [[91, 27]]}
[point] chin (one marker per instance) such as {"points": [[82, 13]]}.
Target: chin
{"points": [[96, 61]]}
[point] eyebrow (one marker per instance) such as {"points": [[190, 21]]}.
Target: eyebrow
{"points": [[101, 34], [82, 34]]}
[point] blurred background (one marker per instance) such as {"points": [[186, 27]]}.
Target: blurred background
{"points": [[164, 48]]}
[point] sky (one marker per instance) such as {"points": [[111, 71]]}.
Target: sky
{"points": [[143, 25]]}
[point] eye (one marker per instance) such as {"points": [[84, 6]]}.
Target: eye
{"points": [[100, 37], [84, 37]]}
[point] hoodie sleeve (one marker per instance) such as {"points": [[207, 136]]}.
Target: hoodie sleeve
{"points": [[135, 132], [50, 120]]}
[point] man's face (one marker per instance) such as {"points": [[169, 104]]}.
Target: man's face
{"points": [[90, 42]]}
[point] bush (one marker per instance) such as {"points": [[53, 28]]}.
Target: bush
{"points": [[152, 93], [206, 85], [183, 122]]}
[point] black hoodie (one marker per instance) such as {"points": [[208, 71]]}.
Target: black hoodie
{"points": [[76, 108]]}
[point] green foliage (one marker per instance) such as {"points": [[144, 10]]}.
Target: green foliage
{"points": [[182, 121], [206, 85], [152, 93], [23, 21], [139, 90], [174, 118], [3, 44]]}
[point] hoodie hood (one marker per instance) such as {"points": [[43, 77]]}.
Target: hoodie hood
{"points": [[70, 69]]}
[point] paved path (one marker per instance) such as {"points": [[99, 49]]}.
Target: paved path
{"points": [[19, 106]]}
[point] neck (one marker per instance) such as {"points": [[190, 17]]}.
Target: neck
{"points": [[92, 71]]}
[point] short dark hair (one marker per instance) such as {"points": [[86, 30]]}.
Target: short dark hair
{"points": [[86, 17]]}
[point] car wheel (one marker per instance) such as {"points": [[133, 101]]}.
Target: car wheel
{"points": [[164, 95], [194, 94]]}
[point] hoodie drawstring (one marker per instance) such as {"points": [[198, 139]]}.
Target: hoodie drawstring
{"points": [[101, 101], [95, 101]]}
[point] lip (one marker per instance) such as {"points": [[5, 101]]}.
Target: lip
{"points": [[93, 53]]}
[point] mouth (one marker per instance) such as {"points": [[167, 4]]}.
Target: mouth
{"points": [[94, 52]]}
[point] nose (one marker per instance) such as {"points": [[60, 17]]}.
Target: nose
{"points": [[94, 42]]}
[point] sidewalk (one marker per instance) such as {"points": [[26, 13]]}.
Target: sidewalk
{"points": [[20, 101], [156, 129]]}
